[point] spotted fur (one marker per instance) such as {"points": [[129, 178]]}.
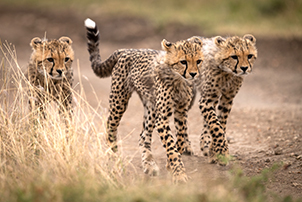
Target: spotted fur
{"points": [[50, 74], [164, 83], [227, 62]]}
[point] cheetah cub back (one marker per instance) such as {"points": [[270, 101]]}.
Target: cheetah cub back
{"points": [[50, 74]]}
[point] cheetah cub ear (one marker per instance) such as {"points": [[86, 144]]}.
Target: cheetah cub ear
{"points": [[195, 39], [219, 41], [65, 39], [35, 42], [167, 46], [250, 37]]}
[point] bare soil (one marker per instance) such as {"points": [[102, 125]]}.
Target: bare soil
{"points": [[264, 126]]}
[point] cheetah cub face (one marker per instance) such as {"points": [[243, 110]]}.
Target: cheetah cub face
{"points": [[53, 58], [236, 54], [185, 57]]}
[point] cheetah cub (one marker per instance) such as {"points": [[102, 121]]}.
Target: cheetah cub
{"points": [[227, 62], [50, 74], [164, 83]]}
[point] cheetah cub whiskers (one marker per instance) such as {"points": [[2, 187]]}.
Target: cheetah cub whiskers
{"points": [[227, 61], [50, 74], [164, 83]]}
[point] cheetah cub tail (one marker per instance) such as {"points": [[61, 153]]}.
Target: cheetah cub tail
{"points": [[90, 23], [93, 35]]}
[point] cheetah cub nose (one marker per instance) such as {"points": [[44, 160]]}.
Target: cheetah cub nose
{"points": [[60, 71], [193, 74], [243, 68]]}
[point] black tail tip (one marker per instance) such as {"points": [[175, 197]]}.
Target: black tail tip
{"points": [[92, 30]]}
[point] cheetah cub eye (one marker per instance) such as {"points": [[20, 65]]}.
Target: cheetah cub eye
{"points": [[250, 56], [50, 60], [235, 57], [184, 62]]}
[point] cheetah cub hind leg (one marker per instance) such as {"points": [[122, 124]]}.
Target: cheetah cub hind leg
{"points": [[205, 142], [149, 165], [188, 149]]}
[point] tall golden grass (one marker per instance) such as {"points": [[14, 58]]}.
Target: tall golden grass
{"points": [[35, 156]]}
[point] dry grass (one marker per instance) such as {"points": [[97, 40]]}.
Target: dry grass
{"points": [[37, 163], [35, 156]]}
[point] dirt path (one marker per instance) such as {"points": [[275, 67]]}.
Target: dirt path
{"points": [[265, 122]]}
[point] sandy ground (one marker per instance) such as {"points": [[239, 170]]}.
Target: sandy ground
{"points": [[264, 125]]}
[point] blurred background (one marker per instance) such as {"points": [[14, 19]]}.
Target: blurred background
{"points": [[135, 19], [261, 17]]}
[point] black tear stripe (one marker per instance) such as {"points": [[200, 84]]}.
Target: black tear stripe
{"points": [[53, 64], [51, 70], [249, 64], [184, 75], [235, 70]]}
